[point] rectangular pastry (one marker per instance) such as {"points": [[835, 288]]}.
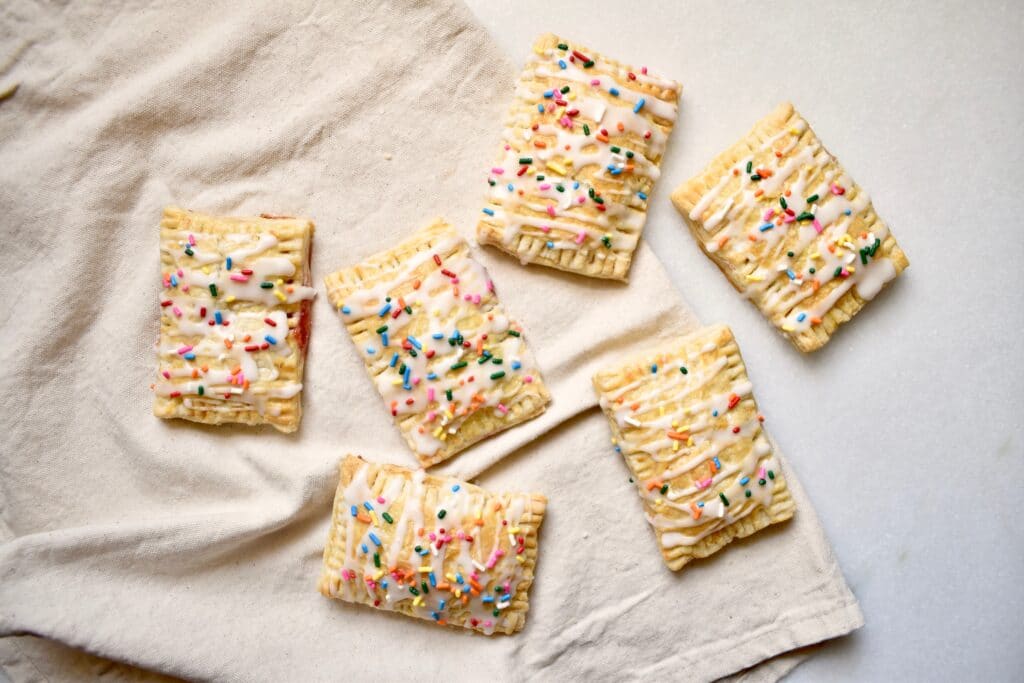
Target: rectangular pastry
{"points": [[581, 152], [790, 229], [432, 547], [683, 416], [234, 318], [449, 363]]}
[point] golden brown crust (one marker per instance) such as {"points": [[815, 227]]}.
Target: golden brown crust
{"points": [[783, 129], [184, 312], [353, 576], [541, 224], [670, 427]]}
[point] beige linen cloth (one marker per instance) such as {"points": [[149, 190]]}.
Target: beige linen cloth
{"points": [[194, 551]]}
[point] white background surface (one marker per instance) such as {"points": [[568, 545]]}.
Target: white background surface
{"points": [[906, 428]]}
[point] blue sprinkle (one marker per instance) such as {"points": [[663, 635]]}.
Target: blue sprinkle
{"points": [[639, 105], [433, 580], [489, 212], [437, 617], [516, 365], [366, 504], [365, 549], [432, 375], [384, 584], [551, 245], [370, 350], [714, 413], [219, 318], [270, 340], [614, 92], [384, 339], [190, 356], [562, 64], [511, 187], [423, 552], [487, 598], [354, 510], [505, 597], [549, 93], [744, 480], [847, 212], [384, 310], [718, 463], [373, 537], [800, 318], [394, 360], [618, 449], [459, 579], [615, 171], [346, 310], [642, 195], [540, 108], [229, 263], [576, 185], [790, 273], [441, 604], [438, 335], [766, 226], [700, 504], [455, 488], [174, 280], [415, 342], [654, 369]]}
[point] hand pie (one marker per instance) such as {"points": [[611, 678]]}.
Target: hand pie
{"points": [[431, 547], [449, 363], [684, 417], [234, 318], [792, 232], [580, 154]]}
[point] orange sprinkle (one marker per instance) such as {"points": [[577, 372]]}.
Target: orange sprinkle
{"points": [[540, 144], [735, 171], [205, 368], [227, 343], [815, 320], [620, 126], [478, 522], [416, 284], [634, 406], [653, 484], [789, 193], [678, 436], [752, 238], [363, 517], [443, 586], [778, 155], [721, 242], [759, 193], [235, 370], [195, 374], [465, 600], [474, 584], [497, 506], [247, 338], [696, 511], [602, 137]]}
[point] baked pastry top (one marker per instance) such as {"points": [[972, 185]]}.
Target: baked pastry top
{"points": [[450, 364], [234, 318], [790, 229], [580, 154], [684, 417], [431, 547]]}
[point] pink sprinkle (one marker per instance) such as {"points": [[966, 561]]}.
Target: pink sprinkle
{"points": [[768, 215], [845, 273], [192, 239], [551, 210], [167, 375], [508, 147], [581, 199], [761, 473], [502, 408], [545, 186], [465, 297], [180, 274], [416, 380], [455, 280], [177, 311], [431, 416], [838, 189], [184, 288], [580, 237], [595, 81], [528, 379], [488, 623], [545, 229], [476, 299], [490, 286], [817, 225], [238, 277], [432, 536], [643, 70], [380, 499], [498, 171], [789, 219], [566, 122], [430, 394]]}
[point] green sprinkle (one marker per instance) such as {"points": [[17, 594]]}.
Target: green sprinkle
{"points": [[782, 200], [496, 613], [387, 299], [586, 129], [683, 370], [563, 46], [560, 188], [401, 369], [725, 500], [805, 216], [664, 489], [482, 359], [598, 200], [412, 589], [498, 375], [388, 518], [513, 333], [425, 587], [589, 63], [459, 365], [188, 250], [382, 329], [441, 513], [412, 352], [629, 154], [418, 548], [747, 493], [491, 183], [631, 480], [771, 475], [526, 160], [201, 391], [755, 177], [813, 198], [811, 271], [376, 560], [448, 394], [607, 241], [540, 178], [408, 309], [789, 254], [264, 285], [213, 289], [762, 482], [565, 89], [839, 271], [615, 149], [864, 255], [496, 361], [750, 166]]}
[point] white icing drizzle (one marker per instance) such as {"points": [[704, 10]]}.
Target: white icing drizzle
{"points": [[756, 228], [226, 330], [579, 188], [442, 351], [692, 426], [439, 561]]}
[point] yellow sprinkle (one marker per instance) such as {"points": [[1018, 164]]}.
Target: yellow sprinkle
{"points": [[424, 570], [396, 382], [437, 432], [206, 269], [458, 592], [380, 573], [373, 515], [794, 131], [675, 446], [229, 298], [571, 96], [568, 162], [514, 530], [418, 601], [450, 577], [557, 167], [615, 441], [788, 328], [755, 278], [280, 297], [816, 254], [519, 559], [448, 414]]}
